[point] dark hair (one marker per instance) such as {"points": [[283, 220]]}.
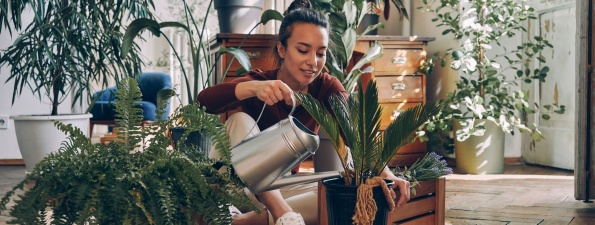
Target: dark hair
{"points": [[299, 11]]}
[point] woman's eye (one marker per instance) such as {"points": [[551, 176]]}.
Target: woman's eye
{"points": [[321, 55], [302, 51]]}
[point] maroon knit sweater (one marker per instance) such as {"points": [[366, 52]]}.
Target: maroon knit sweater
{"points": [[221, 98]]}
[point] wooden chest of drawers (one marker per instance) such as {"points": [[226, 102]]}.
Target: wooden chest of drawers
{"points": [[399, 88]]}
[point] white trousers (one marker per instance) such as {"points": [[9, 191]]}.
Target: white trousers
{"points": [[302, 198]]}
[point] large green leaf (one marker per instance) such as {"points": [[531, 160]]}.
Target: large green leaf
{"points": [[270, 14], [174, 25], [370, 28], [333, 68], [349, 39], [350, 11], [238, 54], [372, 54], [339, 49], [134, 29]]}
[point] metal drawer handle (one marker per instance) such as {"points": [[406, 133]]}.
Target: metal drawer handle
{"points": [[399, 86], [396, 113], [253, 55], [399, 60]]}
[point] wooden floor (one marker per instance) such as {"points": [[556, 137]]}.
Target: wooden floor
{"points": [[523, 195]]}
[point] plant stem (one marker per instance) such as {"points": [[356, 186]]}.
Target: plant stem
{"points": [[480, 57]]}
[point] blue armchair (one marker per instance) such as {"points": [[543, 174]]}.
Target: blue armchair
{"points": [[150, 84]]}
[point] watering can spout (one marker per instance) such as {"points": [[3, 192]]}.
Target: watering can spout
{"points": [[302, 179]]}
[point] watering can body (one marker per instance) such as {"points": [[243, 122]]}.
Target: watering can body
{"points": [[261, 160]]}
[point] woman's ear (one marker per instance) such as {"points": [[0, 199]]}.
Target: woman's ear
{"points": [[281, 50]]}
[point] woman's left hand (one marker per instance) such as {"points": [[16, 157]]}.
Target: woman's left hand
{"points": [[402, 185]]}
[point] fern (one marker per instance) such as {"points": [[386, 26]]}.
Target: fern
{"points": [[129, 114], [85, 183]]}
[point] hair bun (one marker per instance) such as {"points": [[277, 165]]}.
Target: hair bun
{"points": [[298, 4]]}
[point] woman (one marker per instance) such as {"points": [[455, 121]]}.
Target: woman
{"points": [[301, 54]]}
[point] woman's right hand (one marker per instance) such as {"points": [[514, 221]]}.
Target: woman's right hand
{"points": [[270, 91]]}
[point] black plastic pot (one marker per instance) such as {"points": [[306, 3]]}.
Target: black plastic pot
{"points": [[341, 199], [195, 140]]}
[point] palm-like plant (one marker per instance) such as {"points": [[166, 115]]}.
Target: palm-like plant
{"points": [[355, 122]]}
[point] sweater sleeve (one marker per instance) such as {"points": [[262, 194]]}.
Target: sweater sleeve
{"points": [[221, 97]]}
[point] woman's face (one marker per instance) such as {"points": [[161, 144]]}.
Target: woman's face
{"points": [[305, 53]]}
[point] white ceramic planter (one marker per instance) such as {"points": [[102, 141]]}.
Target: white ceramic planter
{"points": [[481, 154], [37, 136]]}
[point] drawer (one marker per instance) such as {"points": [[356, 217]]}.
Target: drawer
{"points": [[260, 58], [399, 61], [389, 112], [400, 88]]}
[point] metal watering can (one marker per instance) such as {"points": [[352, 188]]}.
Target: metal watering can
{"points": [[261, 160]]}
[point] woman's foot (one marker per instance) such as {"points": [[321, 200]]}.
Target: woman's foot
{"points": [[251, 218], [291, 218]]}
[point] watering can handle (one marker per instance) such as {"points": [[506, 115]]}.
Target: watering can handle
{"points": [[293, 106], [263, 107]]}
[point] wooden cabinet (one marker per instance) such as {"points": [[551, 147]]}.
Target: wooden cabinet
{"points": [[398, 86], [258, 47]]}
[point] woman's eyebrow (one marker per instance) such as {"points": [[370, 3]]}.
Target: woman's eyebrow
{"points": [[309, 46]]}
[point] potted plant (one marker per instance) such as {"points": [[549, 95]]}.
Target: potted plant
{"points": [[238, 16], [355, 122], [85, 183], [489, 99], [68, 46]]}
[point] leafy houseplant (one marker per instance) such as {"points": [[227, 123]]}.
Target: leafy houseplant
{"points": [[355, 122], [85, 183], [68, 46], [485, 91]]}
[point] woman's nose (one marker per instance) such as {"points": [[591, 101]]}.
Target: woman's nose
{"points": [[312, 60]]}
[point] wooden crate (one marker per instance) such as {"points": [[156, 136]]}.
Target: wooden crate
{"points": [[424, 208]]}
